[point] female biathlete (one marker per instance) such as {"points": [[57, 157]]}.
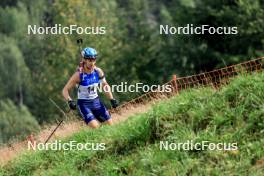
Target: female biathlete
{"points": [[88, 77]]}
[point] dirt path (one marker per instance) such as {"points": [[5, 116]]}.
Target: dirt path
{"points": [[67, 129]]}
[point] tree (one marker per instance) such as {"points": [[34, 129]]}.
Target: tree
{"points": [[14, 74], [16, 122]]}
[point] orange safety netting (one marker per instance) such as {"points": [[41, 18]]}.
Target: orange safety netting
{"points": [[215, 79]]}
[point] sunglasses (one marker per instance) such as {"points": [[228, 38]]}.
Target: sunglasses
{"points": [[90, 58]]}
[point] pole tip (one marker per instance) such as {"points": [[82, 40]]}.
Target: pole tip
{"points": [[79, 41]]}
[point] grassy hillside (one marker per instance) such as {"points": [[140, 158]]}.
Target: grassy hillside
{"points": [[233, 114]]}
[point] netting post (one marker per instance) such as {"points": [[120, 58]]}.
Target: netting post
{"points": [[174, 83], [30, 139]]}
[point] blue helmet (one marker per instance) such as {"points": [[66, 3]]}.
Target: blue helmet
{"points": [[89, 53]]}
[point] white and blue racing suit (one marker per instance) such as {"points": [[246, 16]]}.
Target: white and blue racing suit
{"points": [[88, 103]]}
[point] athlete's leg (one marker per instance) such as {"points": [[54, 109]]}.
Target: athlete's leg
{"points": [[94, 124], [87, 115], [109, 121], [102, 114]]}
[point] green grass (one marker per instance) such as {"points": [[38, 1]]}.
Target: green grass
{"points": [[233, 114]]}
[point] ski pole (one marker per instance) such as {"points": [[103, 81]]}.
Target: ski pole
{"points": [[55, 129], [79, 43]]}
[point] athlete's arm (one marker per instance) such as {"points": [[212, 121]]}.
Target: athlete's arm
{"points": [[105, 85], [75, 79]]}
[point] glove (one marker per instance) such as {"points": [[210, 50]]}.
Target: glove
{"points": [[114, 103], [72, 104]]}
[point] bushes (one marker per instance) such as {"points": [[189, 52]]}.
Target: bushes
{"points": [[15, 121]]}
